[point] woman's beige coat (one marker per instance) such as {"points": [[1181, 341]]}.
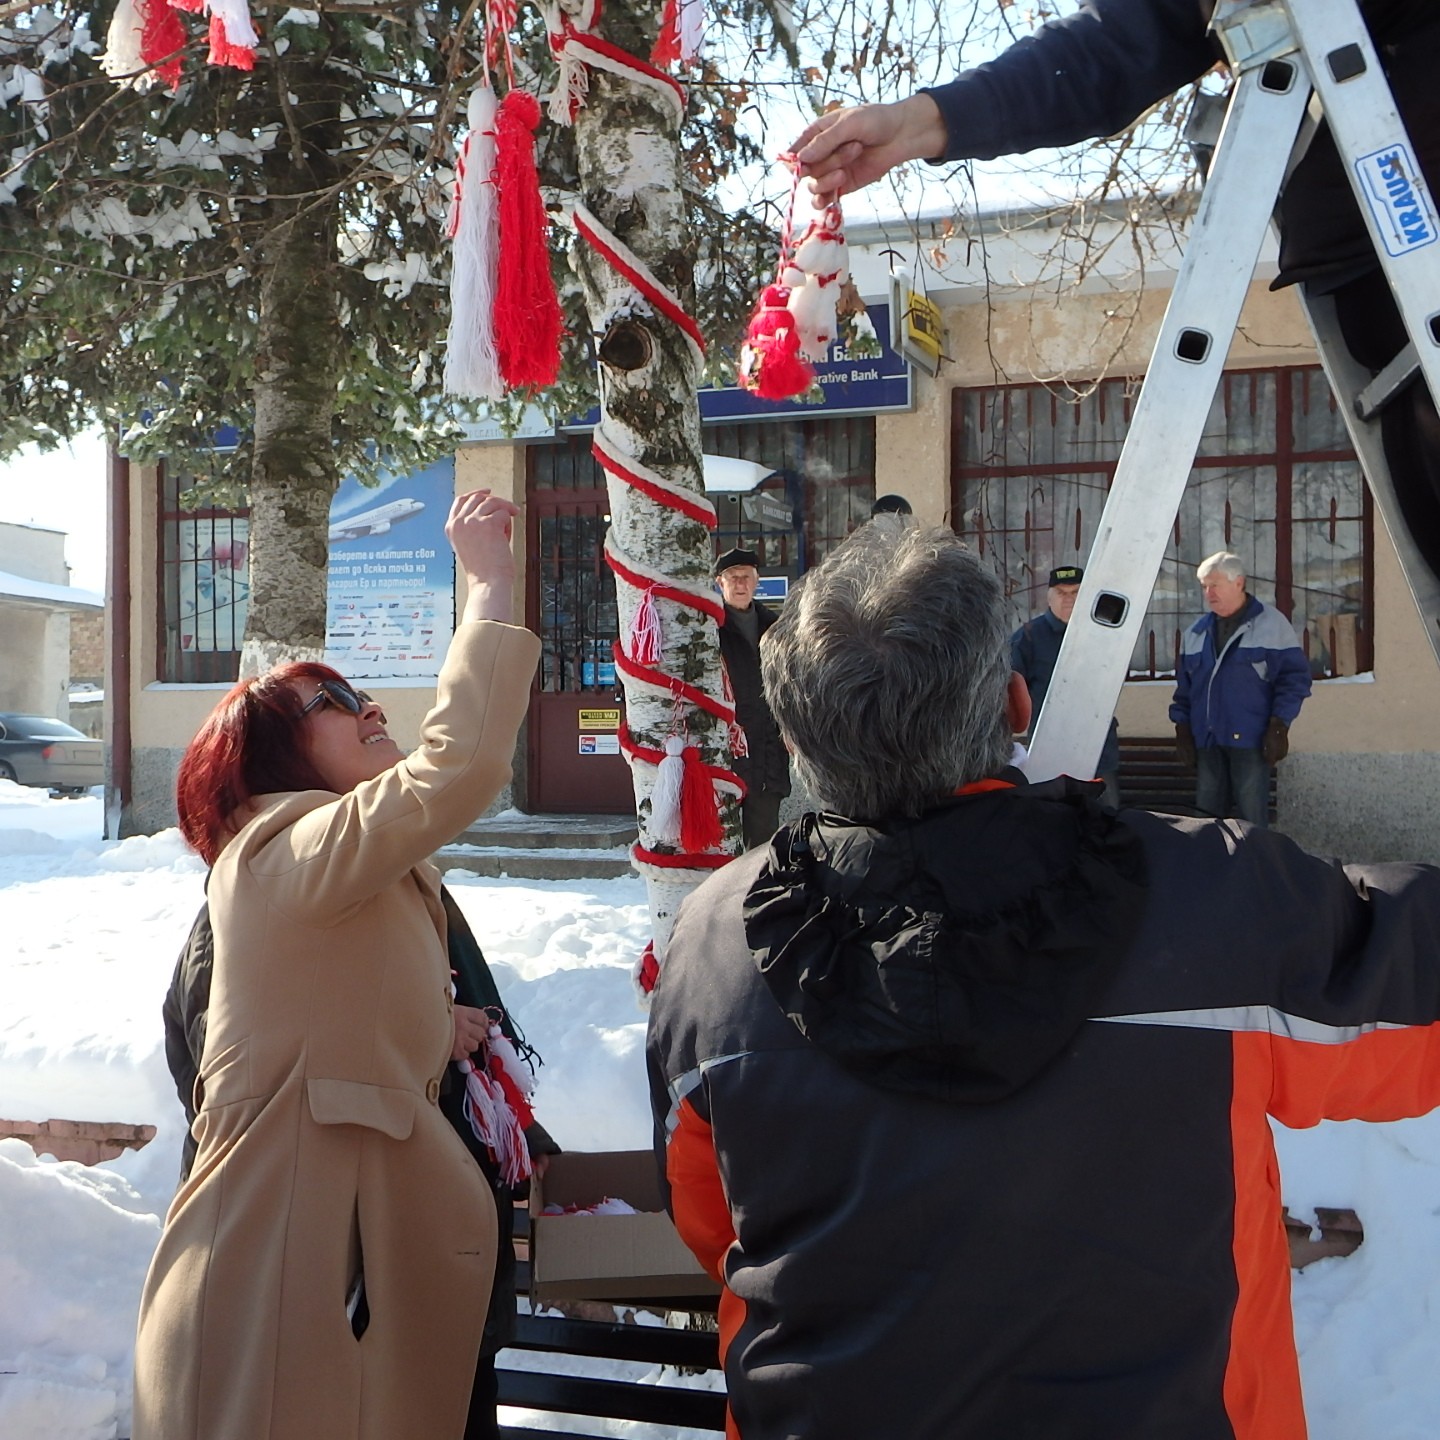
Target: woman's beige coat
{"points": [[322, 1153]]}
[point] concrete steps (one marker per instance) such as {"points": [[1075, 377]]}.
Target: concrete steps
{"points": [[543, 847]]}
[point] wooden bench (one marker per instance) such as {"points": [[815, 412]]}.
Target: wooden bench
{"points": [[1151, 778], [556, 1392], [614, 1399]]}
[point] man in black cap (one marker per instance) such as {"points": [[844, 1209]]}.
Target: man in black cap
{"points": [[765, 768], [1034, 649]]}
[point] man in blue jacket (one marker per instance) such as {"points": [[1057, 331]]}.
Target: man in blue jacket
{"points": [[1034, 649], [1240, 680]]}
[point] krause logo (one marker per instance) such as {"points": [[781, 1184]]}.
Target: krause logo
{"points": [[1396, 191]]}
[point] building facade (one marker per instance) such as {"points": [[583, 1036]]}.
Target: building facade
{"points": [[1013, 443]]}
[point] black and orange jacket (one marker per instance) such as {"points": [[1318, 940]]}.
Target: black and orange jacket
{"points": [[969, 1112]]}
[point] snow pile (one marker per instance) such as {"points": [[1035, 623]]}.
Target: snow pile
{"points": [[91, 934], [72, 1262]]}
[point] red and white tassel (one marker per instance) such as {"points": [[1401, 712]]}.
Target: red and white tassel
{"points": [[472, 367], [233, 40], [700, 828], [495, 1123], [502, 1053], [667, 795], [682, 28], [143, 44], [527, 311], [645, 633]]}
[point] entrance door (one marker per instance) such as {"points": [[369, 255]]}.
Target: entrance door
{"points": [[575, 765]]}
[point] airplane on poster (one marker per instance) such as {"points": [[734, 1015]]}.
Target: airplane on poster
{"points": [[374, 522]]}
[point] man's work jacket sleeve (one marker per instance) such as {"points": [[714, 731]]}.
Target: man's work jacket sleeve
{"points": [[1082, 76], [1290, 675], [1355, 1030]]}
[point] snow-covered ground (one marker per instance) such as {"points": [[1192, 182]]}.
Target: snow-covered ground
{"points": [[90, 933]]}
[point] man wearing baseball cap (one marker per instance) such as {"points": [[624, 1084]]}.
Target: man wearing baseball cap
{"points": [[1034, 649], [765, 768]]}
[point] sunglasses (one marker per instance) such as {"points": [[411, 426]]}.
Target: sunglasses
{"points": [[338, 694]]}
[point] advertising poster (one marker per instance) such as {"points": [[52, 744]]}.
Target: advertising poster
{"points": [[392, 575]]}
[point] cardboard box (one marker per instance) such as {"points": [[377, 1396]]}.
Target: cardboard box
{"points": [[608, 1257]]}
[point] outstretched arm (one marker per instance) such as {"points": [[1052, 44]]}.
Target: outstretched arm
{"points": [[1083, 76]]}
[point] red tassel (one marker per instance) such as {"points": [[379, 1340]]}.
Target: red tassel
{"points": [[699, 817], [527, 312], [667, 43], [647, 972], [162, 40]]}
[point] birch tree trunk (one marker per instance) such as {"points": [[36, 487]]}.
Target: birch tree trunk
{"points": [[628, 144], [293, 474]]}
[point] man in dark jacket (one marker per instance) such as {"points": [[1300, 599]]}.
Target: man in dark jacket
{"points": [[187, 1003], [1090, 74], [964, 1088], [765, 768], [1034, 649]]}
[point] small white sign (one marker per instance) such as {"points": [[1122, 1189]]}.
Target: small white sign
{"points": [[599, 744], [1395, 188]]}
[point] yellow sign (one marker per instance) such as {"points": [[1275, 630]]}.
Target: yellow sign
{"points": [[599, 719], [923, 326]]}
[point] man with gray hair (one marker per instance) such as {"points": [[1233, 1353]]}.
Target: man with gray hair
{"points": [[959, 1097], [1240, 680]]}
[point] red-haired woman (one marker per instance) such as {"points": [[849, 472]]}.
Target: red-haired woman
{"points": [[325, 1172]]}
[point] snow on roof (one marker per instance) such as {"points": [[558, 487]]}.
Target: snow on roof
{"points": [[19, 587]]}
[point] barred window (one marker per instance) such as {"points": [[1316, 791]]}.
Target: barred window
{"points": [[204, 584], [1275, 481]]}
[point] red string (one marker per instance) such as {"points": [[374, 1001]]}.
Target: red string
{"points": [[642, 282], [691, 509]]}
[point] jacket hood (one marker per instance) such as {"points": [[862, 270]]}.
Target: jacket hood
{"points": [[955, 955]]}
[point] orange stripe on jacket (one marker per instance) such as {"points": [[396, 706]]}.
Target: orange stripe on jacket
{"points": [[1379, 1075], [1262, 1372], [702, 1216]]}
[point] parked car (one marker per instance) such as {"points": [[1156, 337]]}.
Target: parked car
{"points": [[49, 753]]}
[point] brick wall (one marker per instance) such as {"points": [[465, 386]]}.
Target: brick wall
{"points": [[87, 648]]}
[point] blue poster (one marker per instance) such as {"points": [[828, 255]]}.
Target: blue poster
{"points": [[392, 575]]}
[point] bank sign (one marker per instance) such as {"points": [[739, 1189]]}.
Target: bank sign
{"points": [[851, 385]]}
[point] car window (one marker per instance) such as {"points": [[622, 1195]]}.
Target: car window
{"points": [[38, 727]]}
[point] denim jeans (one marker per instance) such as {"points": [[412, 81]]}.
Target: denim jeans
{"points": [[1229, 781]]}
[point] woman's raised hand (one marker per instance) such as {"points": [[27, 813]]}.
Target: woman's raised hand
{"points": [[481, 532]]}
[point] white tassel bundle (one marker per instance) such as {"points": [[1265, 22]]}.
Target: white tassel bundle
{"points": [[122, 55], [472, 366], [665, 797]]}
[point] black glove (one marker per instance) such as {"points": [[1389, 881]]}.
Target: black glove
{"points": [[1276, 744], [1185, 747]]}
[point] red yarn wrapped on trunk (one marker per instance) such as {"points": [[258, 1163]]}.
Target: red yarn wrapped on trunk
{"points": [[527, 311]]}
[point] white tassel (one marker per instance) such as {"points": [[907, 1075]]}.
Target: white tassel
{"points": [[122, 41], [571, 88], [813, 307], [472, 367], [692, 29], [665, 797]]}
